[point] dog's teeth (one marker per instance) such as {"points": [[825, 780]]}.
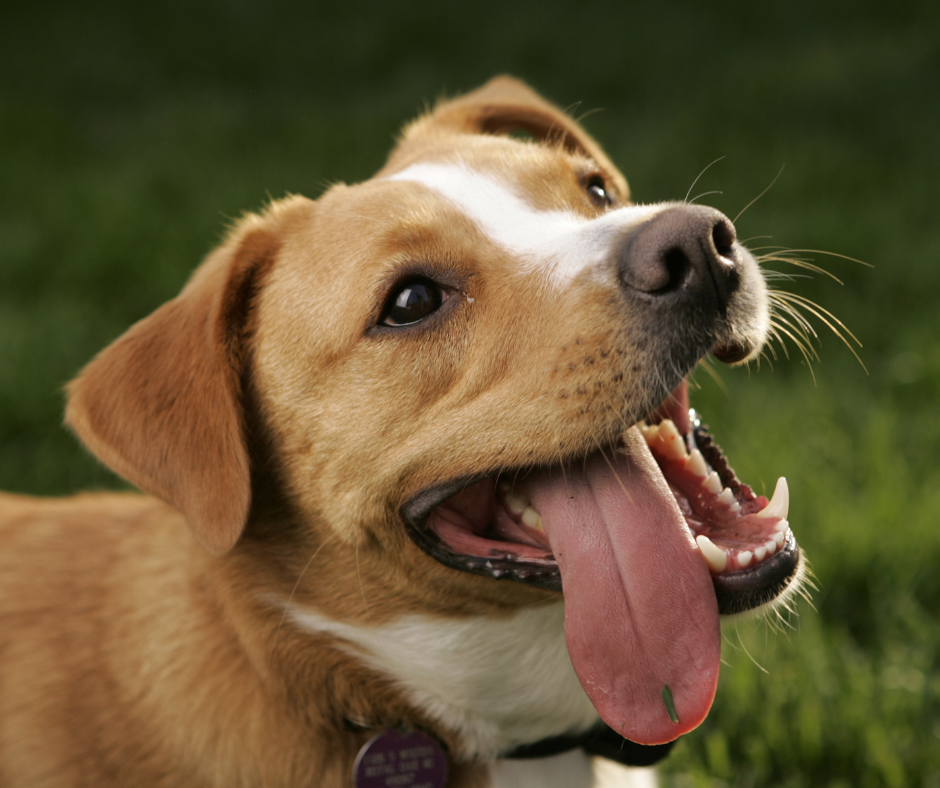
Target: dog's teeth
{"points": [[696, 464], [676, 450], [726, 497], [650, 433], [671, 444], [712, 483], [516, 503], [668, 428], [783, 526], [736, 507], [779, 505], [716, 558], [533, 519], [779, 536], [760, 554], [744, 559], [771, 546]]}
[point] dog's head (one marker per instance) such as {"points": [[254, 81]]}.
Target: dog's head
{"points": [[467, 369]]}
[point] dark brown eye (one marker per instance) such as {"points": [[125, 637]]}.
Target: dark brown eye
{"points": [[412, 301], [597, 191]]}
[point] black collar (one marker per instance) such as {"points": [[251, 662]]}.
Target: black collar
{"points": [[600, 740]]}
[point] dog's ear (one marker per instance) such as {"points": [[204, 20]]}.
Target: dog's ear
{"points": [[504, 105], [162, 405]]}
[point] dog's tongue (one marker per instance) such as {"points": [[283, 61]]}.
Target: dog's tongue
{"points": [[640, 608]]}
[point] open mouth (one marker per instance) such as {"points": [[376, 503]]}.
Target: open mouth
{"points": [[650, 540], [491, 527]]}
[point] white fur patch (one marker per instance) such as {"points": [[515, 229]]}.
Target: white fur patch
{"points": [[498, 683], [570, 770], [608, 774], [562, 243]]}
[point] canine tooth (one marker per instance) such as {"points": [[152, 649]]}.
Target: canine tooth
{"points": [[532, 518], [744, 559], [771, 546], [779, 505], [783, 526], [779, 536], [726, 497], [712, 483], [715, 557], [760, 554], [696, 464], [515, 503]]}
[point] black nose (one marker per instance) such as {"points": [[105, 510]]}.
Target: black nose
{"points": [[684, 252]]}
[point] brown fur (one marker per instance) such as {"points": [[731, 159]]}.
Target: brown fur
{"points": [[279, 433]]}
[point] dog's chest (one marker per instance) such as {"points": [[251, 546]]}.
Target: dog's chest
{"points": [[497, 683]]}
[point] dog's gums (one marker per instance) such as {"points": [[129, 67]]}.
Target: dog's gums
{"points": [[490, 527], [746, 528]]}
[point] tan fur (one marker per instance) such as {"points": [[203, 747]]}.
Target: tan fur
{"points": [[280, 434]]}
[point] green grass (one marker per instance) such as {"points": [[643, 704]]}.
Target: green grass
{"points": [[129, 138]]}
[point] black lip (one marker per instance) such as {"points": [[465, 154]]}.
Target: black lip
{"points": [[415, 510], [738, 592], [499, 566]]}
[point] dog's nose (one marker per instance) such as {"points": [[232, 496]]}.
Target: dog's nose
{"points": [[686, 252]]}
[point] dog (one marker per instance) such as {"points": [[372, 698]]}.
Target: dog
{"points": [[419, 466]]}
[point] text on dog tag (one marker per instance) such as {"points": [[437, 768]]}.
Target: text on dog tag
{"points": [[393, 759]]}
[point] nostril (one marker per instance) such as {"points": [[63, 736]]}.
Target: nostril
{"points": [[677, 264], [723, 238]]}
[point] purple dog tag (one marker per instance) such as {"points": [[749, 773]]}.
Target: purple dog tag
{"points": [[400, 760]]}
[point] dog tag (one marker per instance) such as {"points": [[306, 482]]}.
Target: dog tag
{"points": [[394, 759]]}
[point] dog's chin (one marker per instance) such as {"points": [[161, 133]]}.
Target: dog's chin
{"points": [[486, 525]]}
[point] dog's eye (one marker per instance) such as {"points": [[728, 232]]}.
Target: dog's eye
{"points": [[597, 191], [412, 301]]}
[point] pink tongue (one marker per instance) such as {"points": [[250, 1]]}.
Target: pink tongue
{"points": [[640, 609]]}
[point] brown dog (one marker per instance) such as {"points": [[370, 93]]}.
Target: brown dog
{"points": [[380, 432]]}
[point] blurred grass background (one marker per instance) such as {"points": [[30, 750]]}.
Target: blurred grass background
{"points": [[130, 134]]}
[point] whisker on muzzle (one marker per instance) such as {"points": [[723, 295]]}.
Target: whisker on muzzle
{"points": [[791, 312]]}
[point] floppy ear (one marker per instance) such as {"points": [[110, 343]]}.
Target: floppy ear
{"points": [[162, 405], [504, 105]]}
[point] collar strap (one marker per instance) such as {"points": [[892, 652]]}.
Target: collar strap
{"points": [[600, 740]]}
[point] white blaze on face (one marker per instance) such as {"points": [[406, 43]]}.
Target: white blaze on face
{"points": [[562, 243]]}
